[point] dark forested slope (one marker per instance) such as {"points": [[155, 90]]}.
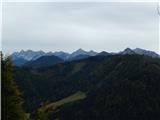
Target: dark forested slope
{"points": [[43, 61], [117, 87]]}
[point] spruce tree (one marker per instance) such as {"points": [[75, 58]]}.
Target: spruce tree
{"points": [[11, 102]]}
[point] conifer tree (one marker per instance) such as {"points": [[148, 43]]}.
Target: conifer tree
{"points": [[11, 102]]}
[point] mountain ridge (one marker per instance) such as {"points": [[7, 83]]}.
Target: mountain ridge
{"points": [[30, 55], [44, 61]]}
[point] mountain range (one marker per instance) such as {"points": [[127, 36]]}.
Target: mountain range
{"points": [[27, 57]]}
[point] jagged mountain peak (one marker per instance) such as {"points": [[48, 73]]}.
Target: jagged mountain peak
{"points": [[103, 53], [27, 55], [127, 51], [146, 52], [33, 55], [61, 54], [80, 50], [92, 53], [83, 52]]}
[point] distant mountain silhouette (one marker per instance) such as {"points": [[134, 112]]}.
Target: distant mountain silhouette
{"points": [[30, 55], [103, 53], [146, 52], [62, 55], [127, 51], [27, 55], [19, 61], [82, 52], [33, 55]]}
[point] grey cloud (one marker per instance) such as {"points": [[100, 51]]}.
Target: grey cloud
{"points": [[69, 26]]}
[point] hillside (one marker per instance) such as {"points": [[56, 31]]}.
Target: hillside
{"points": [[43, 61], [19, 62], [117, 87]]}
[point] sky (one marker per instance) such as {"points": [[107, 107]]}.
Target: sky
{"points": [[80, 0], [67, 26]]}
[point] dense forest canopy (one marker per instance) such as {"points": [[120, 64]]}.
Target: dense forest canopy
{"points": [[115, 87]]}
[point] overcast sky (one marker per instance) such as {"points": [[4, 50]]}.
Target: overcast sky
{"points": [[69, 26], [80, 0]]}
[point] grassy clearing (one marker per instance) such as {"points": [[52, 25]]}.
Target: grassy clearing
{"points": [[74, 97]]}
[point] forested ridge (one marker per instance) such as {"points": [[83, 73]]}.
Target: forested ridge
{"points": [[117, 87]]}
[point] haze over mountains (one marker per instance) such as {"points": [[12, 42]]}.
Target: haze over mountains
{"points": [[29, 57]]}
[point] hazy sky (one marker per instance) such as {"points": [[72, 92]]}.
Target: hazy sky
{"points": [[80, 0], [69, 26]]}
